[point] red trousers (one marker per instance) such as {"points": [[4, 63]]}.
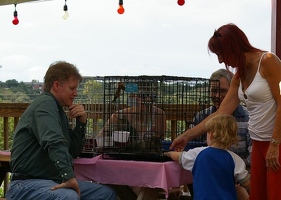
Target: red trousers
{"points": [[265, 184]]}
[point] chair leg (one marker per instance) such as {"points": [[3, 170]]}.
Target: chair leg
{"points": [[190, 188]]}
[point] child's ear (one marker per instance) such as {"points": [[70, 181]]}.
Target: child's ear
{"points": [[211, 135]]}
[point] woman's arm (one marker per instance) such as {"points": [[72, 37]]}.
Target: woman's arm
{"points": [[160, 123], [271, 71], [110, 122]]}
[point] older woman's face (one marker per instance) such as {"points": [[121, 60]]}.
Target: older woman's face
{"points": [[145, 98]]}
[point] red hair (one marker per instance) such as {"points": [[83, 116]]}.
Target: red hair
{"points": [[231, 43]]}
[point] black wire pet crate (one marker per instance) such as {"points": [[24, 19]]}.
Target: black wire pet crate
{"points": [[142, 114]]}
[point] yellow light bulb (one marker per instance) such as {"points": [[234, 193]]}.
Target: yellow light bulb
{"points": [[65, 15]]}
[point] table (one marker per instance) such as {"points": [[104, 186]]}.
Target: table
{"points": [[163, 175]]}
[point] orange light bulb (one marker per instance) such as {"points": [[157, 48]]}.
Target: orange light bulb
{"points": [[121, 9]]}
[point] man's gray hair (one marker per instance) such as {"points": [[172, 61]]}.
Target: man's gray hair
{"points": [[217, 75]]}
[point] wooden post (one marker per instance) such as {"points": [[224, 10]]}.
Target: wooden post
{"points": [[6, 133], [276, 27]]}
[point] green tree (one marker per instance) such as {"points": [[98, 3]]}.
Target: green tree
{"points": [[13, 91], [11, 83], [93, 91]]}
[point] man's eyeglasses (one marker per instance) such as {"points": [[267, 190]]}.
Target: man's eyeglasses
{"points": [[220, 91]]}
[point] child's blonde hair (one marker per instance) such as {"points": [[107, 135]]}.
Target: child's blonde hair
{"points": [[224, 128]]}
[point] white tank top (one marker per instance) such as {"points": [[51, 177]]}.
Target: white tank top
{"points": [[261, 106]]}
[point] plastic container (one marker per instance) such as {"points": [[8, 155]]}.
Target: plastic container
{"points": [[121, 136], [108, 141]]}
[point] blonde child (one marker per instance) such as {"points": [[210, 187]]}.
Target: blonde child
{"points": [[216, 170]]}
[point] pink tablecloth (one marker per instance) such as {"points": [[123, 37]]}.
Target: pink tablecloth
{"points": [[5, 153], [163, 175]]}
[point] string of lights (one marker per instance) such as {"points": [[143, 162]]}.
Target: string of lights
{"points": [[65, 15]]}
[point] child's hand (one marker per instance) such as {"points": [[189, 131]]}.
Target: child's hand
{"points": [[167, 154], [241, 192]]}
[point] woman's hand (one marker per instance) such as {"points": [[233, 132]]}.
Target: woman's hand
{"points": [[179, 143], [272, 157]]}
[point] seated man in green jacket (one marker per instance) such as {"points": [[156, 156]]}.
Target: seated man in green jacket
{"points": [[44, 144]]}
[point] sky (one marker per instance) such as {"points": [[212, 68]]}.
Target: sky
{"points": [[152, 37]]}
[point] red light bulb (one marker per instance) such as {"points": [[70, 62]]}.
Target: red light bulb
{"points": [[15, 21], [181, 2], [121, 10]]}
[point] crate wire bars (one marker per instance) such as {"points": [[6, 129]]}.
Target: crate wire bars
{"points": [[131, 116], [143, 113]]}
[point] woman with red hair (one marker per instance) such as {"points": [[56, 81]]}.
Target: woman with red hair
{"points": [[257, 84]]}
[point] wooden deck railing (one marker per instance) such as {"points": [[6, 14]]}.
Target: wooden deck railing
{"points": [[174, 113]]}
